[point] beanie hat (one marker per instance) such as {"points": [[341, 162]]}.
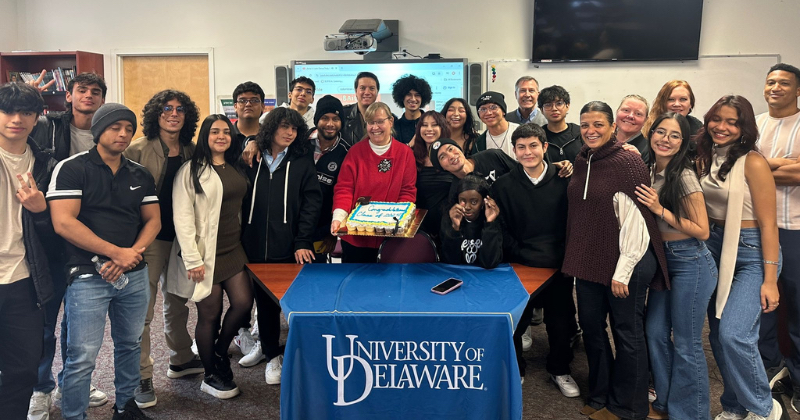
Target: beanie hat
{"points": [[328, 105], [492, 98], [434, 153], [107, 115]]}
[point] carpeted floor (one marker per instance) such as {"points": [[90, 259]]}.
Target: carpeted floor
{"points": [[182, 399]]}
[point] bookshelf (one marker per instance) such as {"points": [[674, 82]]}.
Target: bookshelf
{"points": [[36, 61]]}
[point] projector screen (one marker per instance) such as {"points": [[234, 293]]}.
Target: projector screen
{"points": [[447, 77]]}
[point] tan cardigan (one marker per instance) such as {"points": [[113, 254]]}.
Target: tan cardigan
{"points": [[152, 154]]}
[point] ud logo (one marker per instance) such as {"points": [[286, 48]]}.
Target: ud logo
{"points": [[340, 373]]}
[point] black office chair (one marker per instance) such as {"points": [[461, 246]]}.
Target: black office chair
{"points": [[419, 249]]}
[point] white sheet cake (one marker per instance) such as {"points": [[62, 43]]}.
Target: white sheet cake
{"points": [[381, 217]]}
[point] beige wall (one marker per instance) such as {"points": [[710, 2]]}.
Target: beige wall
{"points": [[8, 25], [250, 37]]}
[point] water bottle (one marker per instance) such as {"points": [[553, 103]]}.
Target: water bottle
{"points": [[120, 283]]}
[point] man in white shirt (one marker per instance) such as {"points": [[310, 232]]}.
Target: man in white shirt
{"points": [[25, 283], [779, 141]]}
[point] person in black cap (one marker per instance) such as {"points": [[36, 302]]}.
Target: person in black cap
{"points": [[446, 155], [106, 206], [328, 150], [492, 112]]}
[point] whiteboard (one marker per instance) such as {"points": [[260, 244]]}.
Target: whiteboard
{"points": [[711, 77]]}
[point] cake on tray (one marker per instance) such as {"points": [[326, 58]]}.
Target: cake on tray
{"points": [[381, 217]]}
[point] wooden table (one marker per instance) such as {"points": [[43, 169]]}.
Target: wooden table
{"points": [[276, 278]]}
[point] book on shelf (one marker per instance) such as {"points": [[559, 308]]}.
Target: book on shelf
{"points": [[61, 76]]}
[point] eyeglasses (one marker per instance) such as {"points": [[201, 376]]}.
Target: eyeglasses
{"points": [[169, 108], [298, 89], [551, 105], [251, 101], [483, 110], [672, 136], [377, 122]]}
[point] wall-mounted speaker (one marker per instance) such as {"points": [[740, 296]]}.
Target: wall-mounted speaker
{"points": [[282, 79], [475, 85]]}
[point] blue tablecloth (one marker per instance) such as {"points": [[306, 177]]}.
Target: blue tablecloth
{"points": [[371, 341]]}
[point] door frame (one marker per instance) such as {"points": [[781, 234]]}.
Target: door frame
{"points": [[118, 55]]}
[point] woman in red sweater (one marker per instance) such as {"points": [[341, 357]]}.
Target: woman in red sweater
{"points": [[382, 169]]}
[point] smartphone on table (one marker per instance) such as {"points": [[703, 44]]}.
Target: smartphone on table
{"points": [[447, 286]]}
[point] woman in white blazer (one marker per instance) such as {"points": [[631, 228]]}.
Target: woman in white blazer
{"points": [[208, 255]]}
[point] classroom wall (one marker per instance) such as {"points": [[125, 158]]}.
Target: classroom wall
{"points": [[8, 25], [250, 37]]}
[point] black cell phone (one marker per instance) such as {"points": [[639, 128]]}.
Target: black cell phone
{"points": [[447, 286]]}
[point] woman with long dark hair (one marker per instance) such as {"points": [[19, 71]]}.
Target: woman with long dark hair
{"points": [[433, 185], [675, 317], [740, 201], [207, 199], [461, 123], [614, 250]]}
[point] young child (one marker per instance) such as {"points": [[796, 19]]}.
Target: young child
{"points": [[470, 231]]}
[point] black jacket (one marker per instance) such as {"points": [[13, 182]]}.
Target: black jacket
{"points": [[534, 217], [52, 134], [37, 228], [281, 209], [328, 167], [564, 145], [352, 129]]}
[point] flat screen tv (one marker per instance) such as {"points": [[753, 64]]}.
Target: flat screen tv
{"points": [[616, 30], [447, 77]]}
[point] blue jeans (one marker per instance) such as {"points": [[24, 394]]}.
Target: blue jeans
{"points": [[86, 303], [734, 337], [674, 325]]}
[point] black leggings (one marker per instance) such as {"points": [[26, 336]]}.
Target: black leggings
{"points": [[210, 338]]}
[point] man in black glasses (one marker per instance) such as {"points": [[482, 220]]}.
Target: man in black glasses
{"points": [[169, 121]]}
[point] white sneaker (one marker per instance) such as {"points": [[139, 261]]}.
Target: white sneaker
{"points": [[39, 408], [96, 396], [567, 385], [727, 415], [273, 372], [244, 341], [775, 414], [527, 341], [254, 357]]}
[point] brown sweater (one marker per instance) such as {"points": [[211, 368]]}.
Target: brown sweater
{"points": [[592, 228]]}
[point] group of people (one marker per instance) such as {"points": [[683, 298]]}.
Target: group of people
{"points": [[653, 219]]}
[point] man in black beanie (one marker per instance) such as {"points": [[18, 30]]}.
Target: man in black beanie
{"points": [[106, 206], [492, 112], [329, 151]]}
